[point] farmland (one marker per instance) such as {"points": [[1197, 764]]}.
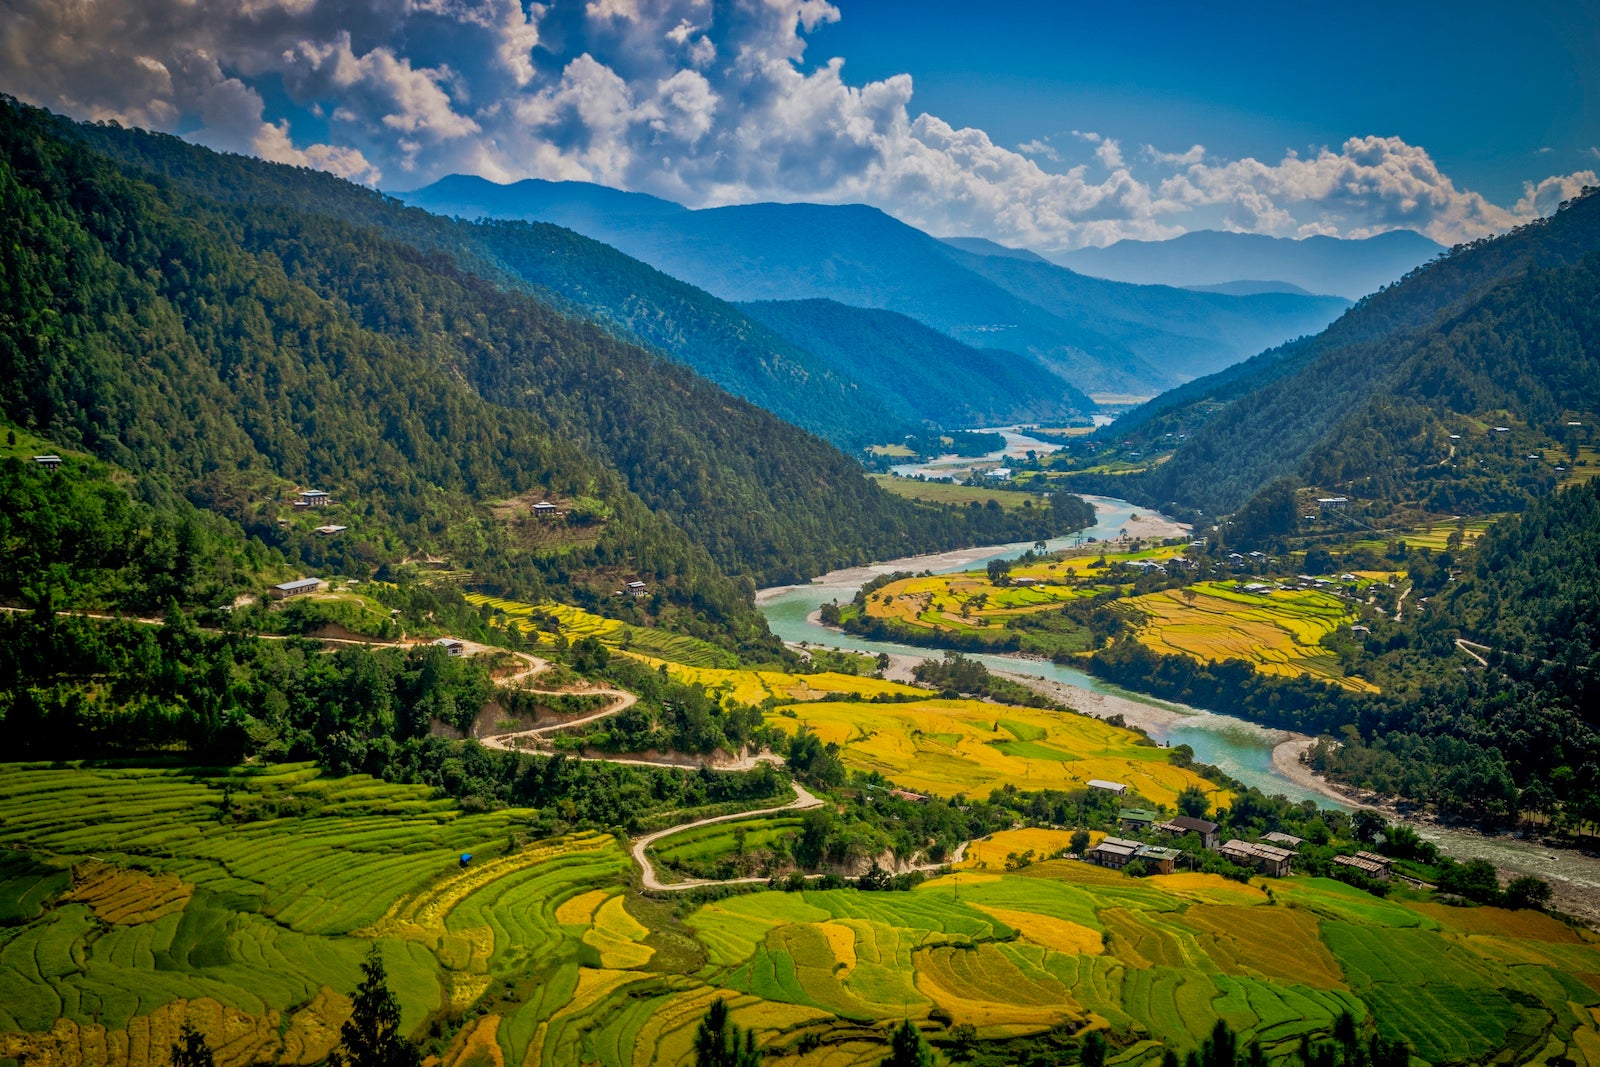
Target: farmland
{"points": [[1279, 631], [131, 904], [942, 492], [946, 747]]}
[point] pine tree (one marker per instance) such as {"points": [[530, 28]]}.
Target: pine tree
{"points": [[908, 1048], [191, 1049], [718, 1042], [371, 1036]]}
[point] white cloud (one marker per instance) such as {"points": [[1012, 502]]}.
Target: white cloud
{"points": [[702, 101]]}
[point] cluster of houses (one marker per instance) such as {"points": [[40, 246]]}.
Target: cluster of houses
{"points": [[1272, 856]]}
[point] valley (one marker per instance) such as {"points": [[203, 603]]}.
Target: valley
{"points": [[550, 623]]}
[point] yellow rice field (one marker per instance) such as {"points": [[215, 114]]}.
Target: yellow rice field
{"points": [[1279, 631], [945, 747]]}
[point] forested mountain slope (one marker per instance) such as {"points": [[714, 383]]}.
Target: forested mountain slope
{"points": [[1499, 333], [916, 371], [1521, 731], [577, 274], [233, 350], [860, 256]]}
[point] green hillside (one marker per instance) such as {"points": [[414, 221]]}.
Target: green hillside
{"points": [[208, 335], [919, 373], [1499, 333]]}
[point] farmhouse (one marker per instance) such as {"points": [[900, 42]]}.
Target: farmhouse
{"points": [[1268, 859], [1023, 583], [314, 498], [1163, 859], [330, 530], [636, 589], [999, 472], [1133, 820], [1119, 788], [1386, 862], [1283, 840], [298, 587], [906, 794], [545, 510], [1377, 871], [48, 461], [1113, 852], [452, 646], [1332, 503], [1188, 824]]}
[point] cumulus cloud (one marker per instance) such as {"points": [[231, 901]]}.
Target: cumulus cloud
{"points": [[701, 101]]}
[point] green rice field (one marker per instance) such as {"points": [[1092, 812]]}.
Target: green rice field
{"points": [[131, 902]]}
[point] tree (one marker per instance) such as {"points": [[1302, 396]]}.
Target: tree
{"points": [[371, 1036], [1367, 824], [1000, 571], [1193, 802], [1080, 841], [191, 1049], [908, 1048], [1094, 1049], [1528, 892], [719, 1042]]}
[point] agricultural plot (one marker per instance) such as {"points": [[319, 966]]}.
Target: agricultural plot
{"points": [[575, 623], [952, 493], [1279, 631], [970, 602], [130, 907], [946, 747]]}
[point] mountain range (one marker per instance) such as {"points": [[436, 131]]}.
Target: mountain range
{"points": [[1213, 261], [1101, 337], [1442, 392]]}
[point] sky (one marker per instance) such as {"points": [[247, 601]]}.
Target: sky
{"points": [[1041, 125]]}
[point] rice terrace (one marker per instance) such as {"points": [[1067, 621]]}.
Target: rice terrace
{"points": [[130, 907]]}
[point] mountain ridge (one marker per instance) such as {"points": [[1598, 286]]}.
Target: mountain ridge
{"points": [[1347, 267], [860, 256]]}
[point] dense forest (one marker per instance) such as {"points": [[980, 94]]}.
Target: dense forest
{"points": [[1520, 734], [919, 373], [233, 347]]}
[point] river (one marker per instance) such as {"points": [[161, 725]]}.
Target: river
{"points": [[1242, 749]]}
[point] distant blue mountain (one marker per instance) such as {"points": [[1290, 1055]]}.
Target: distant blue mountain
{"points": [[1343, 267], [1099, 336]]}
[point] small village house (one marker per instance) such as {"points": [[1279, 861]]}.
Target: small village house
{"points": [[314, 498], [451, 646], [1270, 860], [545, 510], [51, 461], [1113, 852], [1377, 871], [1283, 840], [1188, 824], [298, 587], [637, 589], [1118, 788], [1136, 820]]}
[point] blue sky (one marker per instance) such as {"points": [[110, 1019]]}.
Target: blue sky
{"points": [[1049, 126], [1483, 86]]}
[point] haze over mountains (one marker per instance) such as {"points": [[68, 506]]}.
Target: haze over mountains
{"points": [[1100, 336], [1253, 262]]}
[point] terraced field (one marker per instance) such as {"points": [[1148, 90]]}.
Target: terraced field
{"points": [[946, 747], [1279, 631], [128, 907]]}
